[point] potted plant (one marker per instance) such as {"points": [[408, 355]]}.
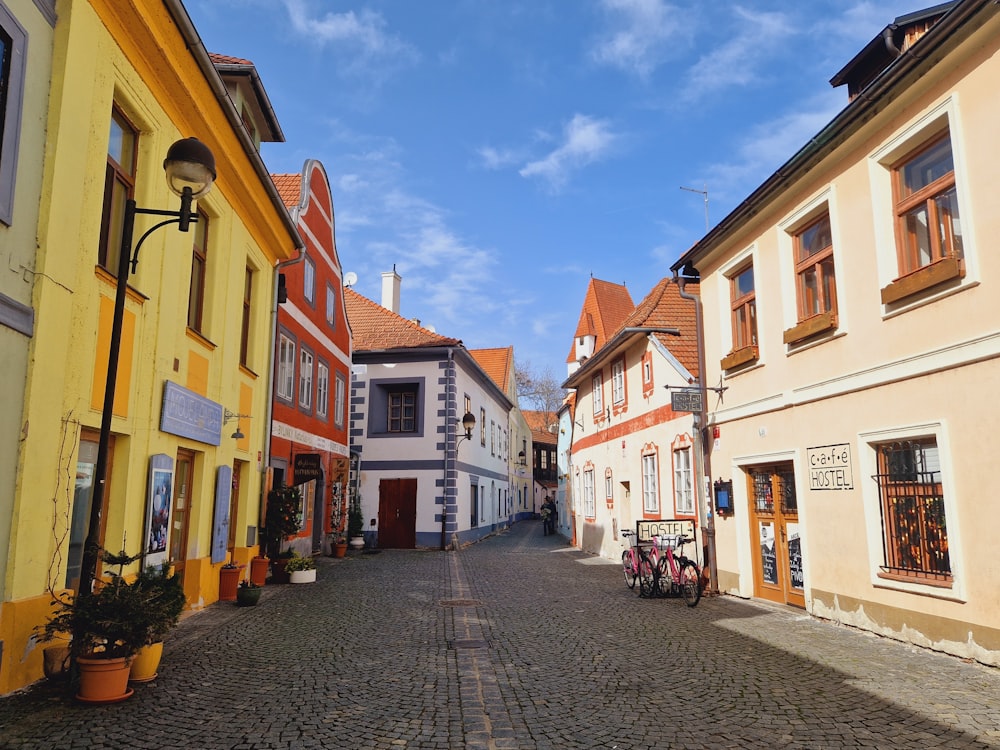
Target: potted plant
{"points": [[339, 545], [281, 522], [165, 600], [356, 526], [229, 579], [248, 594], [301, 569], [106, 627]]}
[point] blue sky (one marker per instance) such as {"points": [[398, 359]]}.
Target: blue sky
{"points": [[500, 153]]}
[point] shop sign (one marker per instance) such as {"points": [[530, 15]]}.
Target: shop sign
{"points": [[830, 467], [190, 415]]}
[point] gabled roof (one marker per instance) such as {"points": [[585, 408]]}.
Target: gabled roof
{"points": [[498, 363], [661, 310], [538, 423], [234, 69], [289, 188], [605, 306], [376, 329]]}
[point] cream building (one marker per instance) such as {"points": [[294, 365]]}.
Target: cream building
{"points": [[851, 312]]}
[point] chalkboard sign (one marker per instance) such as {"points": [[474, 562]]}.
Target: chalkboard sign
{"points": [[795, 562]]}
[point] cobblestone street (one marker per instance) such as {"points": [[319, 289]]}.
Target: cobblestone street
{"points": [[517, 642]]}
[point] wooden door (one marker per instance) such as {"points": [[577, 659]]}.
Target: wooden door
{"points": [[397, 513], [181, 517], [774, 526]]}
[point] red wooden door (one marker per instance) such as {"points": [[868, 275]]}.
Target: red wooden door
{"points": [[397, 513]]}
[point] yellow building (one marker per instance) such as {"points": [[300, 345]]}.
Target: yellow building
{"points": [[189, 425]]}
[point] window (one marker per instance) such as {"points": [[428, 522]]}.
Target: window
{"points": [[309, 280], [286, 368], [322, 389], [816, 283], [245, 326], [911, 499], [608, 487], [13, 39], [482, 427], [338, 402], [589, 507], [119, 185], [926, 207], [744, 304], [331, 306], [402, 411], [199, 260], [683, 495], [493, 438], [305, 380], [598, 387], [650, 491], [618, 382]]}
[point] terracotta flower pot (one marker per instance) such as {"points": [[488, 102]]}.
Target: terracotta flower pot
{"points": [[258, 571], [340, 549], [103, 680], [229, 579]]}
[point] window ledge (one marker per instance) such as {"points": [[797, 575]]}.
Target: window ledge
{"points": [[929, 276], [248, 372], [739, 357], [193, 334], [809, 327]]}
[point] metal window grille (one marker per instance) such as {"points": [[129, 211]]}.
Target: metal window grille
{"points": [[763, 495], [913, 518], [786, 492]]}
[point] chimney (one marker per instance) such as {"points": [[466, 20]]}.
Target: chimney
{"points": [[390, 290]]}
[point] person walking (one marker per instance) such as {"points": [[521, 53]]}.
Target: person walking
{"points": [[548, 517]]}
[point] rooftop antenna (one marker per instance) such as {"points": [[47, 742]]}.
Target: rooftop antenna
{"points": [[704, 194]]}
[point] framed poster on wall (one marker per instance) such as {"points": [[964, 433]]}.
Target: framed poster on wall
{"points": [[159, 500]]}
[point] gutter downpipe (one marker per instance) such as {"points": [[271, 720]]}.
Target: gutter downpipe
{"points": [[701, 433], [450, 449]]}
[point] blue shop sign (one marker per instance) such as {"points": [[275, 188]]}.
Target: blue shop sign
{"points": [[189, 415]]}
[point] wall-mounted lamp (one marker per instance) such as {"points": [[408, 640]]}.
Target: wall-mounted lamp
{"points": [[228, 416], [190, 173], [468, 422], [522, 459]]}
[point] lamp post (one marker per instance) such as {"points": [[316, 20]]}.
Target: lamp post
{"points": [[190, 172]]}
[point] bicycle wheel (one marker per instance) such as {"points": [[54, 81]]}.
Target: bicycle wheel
{"points": [[628, 568], [647, 578], [691, 583], [664, 581]]}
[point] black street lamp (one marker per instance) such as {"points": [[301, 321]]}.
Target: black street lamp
{"points": [[190, 170]]}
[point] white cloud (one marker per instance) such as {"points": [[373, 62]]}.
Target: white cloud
{"points": [[492, 158], [585, 140], [641, 35], [738, 61]]}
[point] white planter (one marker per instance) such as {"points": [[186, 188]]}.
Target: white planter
{"points": [[357, 542], [302, 576]]}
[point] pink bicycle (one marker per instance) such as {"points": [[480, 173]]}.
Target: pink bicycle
{"points": [[675, 574], [638, 566]]}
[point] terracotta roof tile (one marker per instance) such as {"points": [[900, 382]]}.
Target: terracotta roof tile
{"points": [[664, 307], [538, 423], [605, 306], [218, 59], [289, 188], [375, 328], [498, 363]]}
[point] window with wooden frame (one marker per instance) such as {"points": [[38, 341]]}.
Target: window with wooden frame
{"points": [[285, 385], [743, 301], [926, 206], [331, 306], [305, 379], [618, 383], [199, 264], [13, 43], [402, 411], [647, 373], [815, 280], [119, 187], [650, 483], [245, 324], [911, 495], [597, 384]]}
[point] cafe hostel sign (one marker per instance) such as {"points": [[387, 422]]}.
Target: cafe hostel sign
{"points": [[830, 467]]}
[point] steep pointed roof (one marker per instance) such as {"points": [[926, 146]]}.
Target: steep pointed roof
{"points": [[498, 363], [375, 328], [605, 306]]}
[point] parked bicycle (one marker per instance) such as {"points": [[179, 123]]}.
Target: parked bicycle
{"points": [[638, 566], [675, 573]]}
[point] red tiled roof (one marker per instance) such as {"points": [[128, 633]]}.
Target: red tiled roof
{"points": [[218, 59], [605, 306], [375, 328], [289, 188], [498, 363], [538, 423], [663, 307]]}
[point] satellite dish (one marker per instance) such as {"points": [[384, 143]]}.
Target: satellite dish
{"points": [[350, 278]]}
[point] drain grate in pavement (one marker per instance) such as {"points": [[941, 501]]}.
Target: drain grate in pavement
{"points": [[460, 602], [471, 643]]}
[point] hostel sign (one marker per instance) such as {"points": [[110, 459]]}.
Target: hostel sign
{"points": [[830, 467]]}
